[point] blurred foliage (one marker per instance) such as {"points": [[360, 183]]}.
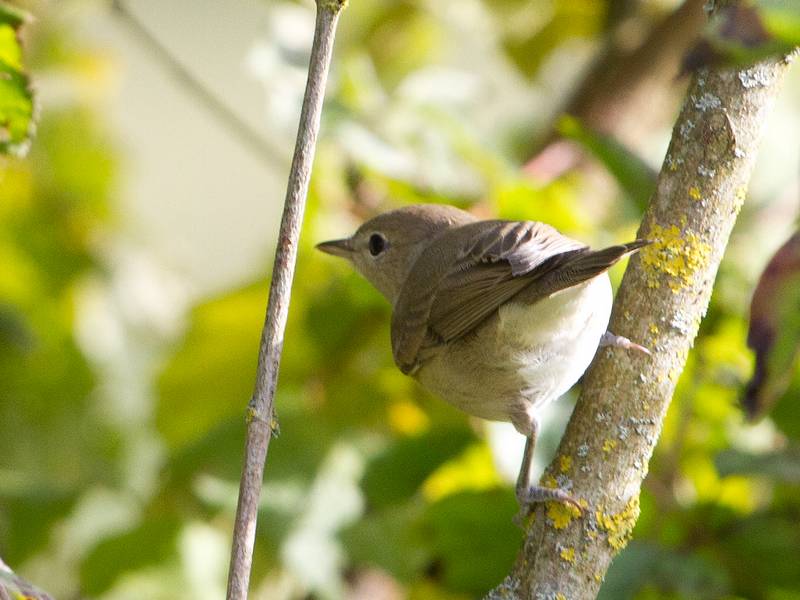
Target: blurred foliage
{"points": [[368, 473], [16, 97], [748, 31]]}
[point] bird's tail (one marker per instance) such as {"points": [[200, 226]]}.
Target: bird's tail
{"points": [[590, 263]]}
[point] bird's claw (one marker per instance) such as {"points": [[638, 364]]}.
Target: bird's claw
{"points": [[537, 495], [618, 341]]}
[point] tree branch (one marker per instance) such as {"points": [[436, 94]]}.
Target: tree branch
{"points": [[603, 456], [261, 407]]}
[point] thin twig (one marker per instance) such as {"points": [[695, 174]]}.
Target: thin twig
{"points": [[232, 122], [261, 408]]}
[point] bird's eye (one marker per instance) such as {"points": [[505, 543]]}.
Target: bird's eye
{"points": [[377, 244]]}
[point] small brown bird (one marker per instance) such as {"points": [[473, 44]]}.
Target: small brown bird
{"points": [[496, 317]]}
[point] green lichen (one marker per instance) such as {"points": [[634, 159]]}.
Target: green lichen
{"points": [[676, 254], [619, 526]]}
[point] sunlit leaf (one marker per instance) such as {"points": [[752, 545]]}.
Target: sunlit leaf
{"points": [[210, 378]]}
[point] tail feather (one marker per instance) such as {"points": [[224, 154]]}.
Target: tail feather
{"points": [[595, 262], [572, 268]]}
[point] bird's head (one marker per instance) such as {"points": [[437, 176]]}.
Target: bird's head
{"points": [[385, 248]]}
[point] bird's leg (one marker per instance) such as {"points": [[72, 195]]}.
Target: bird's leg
{"points": [[618, 341], [527, 494]]}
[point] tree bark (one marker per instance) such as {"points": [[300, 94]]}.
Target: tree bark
{"points": [[603, 456], [260, 414]]}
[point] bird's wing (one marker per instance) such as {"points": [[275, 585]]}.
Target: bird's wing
{"points": [[471, 272], [474, 269]]}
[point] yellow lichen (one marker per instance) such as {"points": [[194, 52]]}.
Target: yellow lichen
{"points": [[598, 576], [560, 596], [619, 526], [609, 445], [564, 464], [559, 513], [568, 555], [676, 254], [694, 193], [653, 328]]}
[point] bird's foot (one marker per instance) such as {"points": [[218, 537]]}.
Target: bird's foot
{"points": [[536, 494], [618, 341]]}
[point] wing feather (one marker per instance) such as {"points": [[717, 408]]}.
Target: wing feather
{"points": [[467, 273]]}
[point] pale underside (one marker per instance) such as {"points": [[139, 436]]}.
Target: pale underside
{"points": [[523, 356]]}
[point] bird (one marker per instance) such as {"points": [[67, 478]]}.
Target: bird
{"points": [[498, 318]]}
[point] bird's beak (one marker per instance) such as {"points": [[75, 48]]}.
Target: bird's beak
{"points": [[343, 248]]}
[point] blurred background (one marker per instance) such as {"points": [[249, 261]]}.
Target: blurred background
{"points": [[136, 240]]}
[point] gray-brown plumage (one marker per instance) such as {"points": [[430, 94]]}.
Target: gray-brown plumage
{"points": [[496, 317]]}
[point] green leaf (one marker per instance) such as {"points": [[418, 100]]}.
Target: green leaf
{"points": [[16, 98], [473, 539], [210, 378], [634, 176], [390, 539], [26, 518], [783, 465], [758, 550], [785, 413], [150, 543], [644, 566], [399, 471], [781, 19]]}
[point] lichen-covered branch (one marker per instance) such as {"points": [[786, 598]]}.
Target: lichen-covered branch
{"points": [[605, 451]]}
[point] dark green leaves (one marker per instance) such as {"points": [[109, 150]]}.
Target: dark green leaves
{"points": [[397, 474]]}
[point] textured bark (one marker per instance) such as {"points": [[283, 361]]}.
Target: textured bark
{"points": [[603, 456], [261, 407]]}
